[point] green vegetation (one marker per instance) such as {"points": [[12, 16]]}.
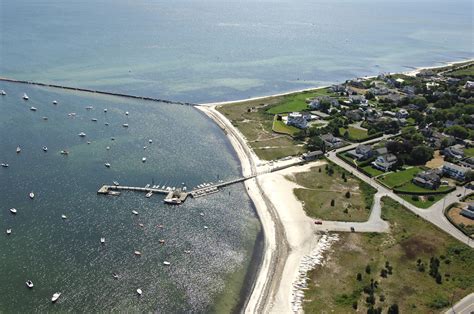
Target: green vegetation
{"points": [[413, 188], [396, 179], [354, 134], [422, 201], [406, 268], [280, 127], [373, 172], [469, 152], [296, 102], [469, 71], [330, 186]]}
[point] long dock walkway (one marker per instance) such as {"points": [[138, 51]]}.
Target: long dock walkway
{"points": [[87, 90]]}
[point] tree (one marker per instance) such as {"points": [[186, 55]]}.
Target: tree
{"points": [[383, 273], [359, 277], [458, 131], [316, 143], [438, 278], [348, 194], [421, 154], [393, 309], [470, 176], [369, 95], [332, 203], [367, 269]]}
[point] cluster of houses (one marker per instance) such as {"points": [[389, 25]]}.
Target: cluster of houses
{"points": [[384, 160], [300, 119]]}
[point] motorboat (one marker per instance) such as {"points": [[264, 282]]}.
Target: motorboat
{"points": [[105, 109], [202, 214], [18, 149], [88, 143], [139, 292], [134, 212], [102, 240], [141, 225], [82, 134], [55, 102], [2, 92], [125, 125], [126, 113], [107, 148], [166, 263], [172, 201], [32, 195], [29, 284], [64, 152], [45, 149], [206, 227], [161, 241], [116, 183], [25, 96], [33, 108], [13, 210], [89, 108], [106, 123], [9, 231], [112, 138], [137, 253], [150, 141], [94, 120], [144, 147], [63, 216], [187, 251], [71, 114], [147, 186], [45, 118], [4, 165], [55, 297], [115, 275], [113, 193], [107, 165], [149, 194], [143, 159]]}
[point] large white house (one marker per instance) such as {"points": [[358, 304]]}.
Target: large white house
{"points": [[298, 120], [385, 162], [455, 171]]}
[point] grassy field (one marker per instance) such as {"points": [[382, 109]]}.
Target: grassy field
{"points": [[422, 201], [407, 248], [296, 102], [252, 120], [280, 127], [321, 187], [398, 178], [469, 152], [372, 171], [355, 134], [411, 187], [469, 71]]}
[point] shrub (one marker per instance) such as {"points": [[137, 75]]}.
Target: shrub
{"points": [[348, 194], [359, 277], [415, 198], [332, 203], [367, 269], [431, 198]]}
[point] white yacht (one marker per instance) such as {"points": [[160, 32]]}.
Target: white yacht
{"points": [[139, 291], [94, 120], [18, 149], [32, 195], [45, 118], [55, 102], [13, 210], [45, 148], [64, 152], [107, 165], [102, 240], [25, 96], [105, 110], [134, 212], [33, 108], [149, 194], [126, 113], [106, 124], [144, 147], [115, 275], [137, 253], [4, 165], [107, 148], [166, 263], [2, 92], [63, 216], [9, 231], [150, 141], [125, 125], [89, 108], [82, 134], [29, 284], [144, 159], [55, 297], [116, 183]]}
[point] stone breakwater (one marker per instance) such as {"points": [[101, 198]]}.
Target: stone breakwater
{"points": [[308, 263]]}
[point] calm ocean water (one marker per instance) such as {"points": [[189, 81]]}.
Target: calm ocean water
{"points": [[209, 50], [66, 255]]}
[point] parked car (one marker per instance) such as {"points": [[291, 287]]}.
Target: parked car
{"points": [[318, 222], [352, 229]]}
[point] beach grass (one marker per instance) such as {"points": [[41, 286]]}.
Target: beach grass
{"points": [[320, 188], [334, 287]]}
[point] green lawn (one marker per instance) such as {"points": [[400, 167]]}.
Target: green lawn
{"points": [[320, 188], [469, 152], [411, 187], [372, 171], [395, 179], [296, 102], [354, 133], [423, 201], [407, 248], [469, 71], [280, 127]]}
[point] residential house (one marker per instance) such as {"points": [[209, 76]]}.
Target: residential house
{"points": [[385, 162], [362, 152], [338, 88], [381, 151], [315, 104], [389, 113], [298, 120], [468, 162], [455, 151], [312, 155], [468, 211], [455, 171], [379, 90], [354, 115], [429, 179], [402, 114], [469, 85], [431, 85], [358, 99], [331, 141]]}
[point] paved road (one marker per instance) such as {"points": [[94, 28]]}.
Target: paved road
{"points": [[433, 214], [464, 306]]}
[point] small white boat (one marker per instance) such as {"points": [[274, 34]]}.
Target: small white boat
{"points": [[32, 195], [82, 134], [150, 141], [139, 292], [202, 214], [29, 284], [105, 109], [71, 114], [25, 96], [9, 231], [126, 113], [4, 165], [89, 108], [18, 149], [64, 152], [206, 227], [107, 165], [143, 159], [55, 102], [13, 210], [125, 125], [63, 216], [137, 253], [149, 194], [134, 212], [94, 120], [45, 118], [33, 108], [116, 183], [102, 240], [2, 92], [107, 148], [161, 241], [166, 263], [45, 149], [88, 143], [115, 275], [112, 138], [106, 123], [144, 147], [55, 297], [187, 251], [147, 186]]}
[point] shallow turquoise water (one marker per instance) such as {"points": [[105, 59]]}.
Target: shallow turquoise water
{"points": [[208, 50], [66, 255]]}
